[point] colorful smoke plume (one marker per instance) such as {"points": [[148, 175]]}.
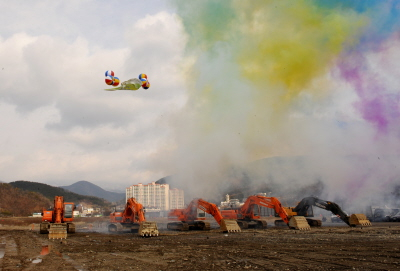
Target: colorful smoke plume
{"points": [[286, 78]]}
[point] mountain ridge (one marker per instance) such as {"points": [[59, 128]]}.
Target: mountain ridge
{"points": [[50, 192], [89, 189]]}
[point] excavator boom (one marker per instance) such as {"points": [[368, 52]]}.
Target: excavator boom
{"points": [[188, 217], [132, 218], [246, 212], [304, 208]]}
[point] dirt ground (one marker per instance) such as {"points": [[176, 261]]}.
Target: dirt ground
{"points": [[330, 247]]}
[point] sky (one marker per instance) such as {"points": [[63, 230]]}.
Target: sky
{"points": [[231, 83]]}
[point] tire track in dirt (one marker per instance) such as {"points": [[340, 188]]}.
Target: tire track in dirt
{"points": [[9, 259], [50, 246], [23, 250]]}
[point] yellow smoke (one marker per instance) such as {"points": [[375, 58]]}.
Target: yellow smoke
{"points": [[290, 43]]}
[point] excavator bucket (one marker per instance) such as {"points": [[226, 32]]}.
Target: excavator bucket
{"points": [[148, 229], [299, 223], [229, 225], [359, 219], [58, 231]]}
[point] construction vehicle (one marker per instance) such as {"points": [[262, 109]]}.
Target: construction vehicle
{"points": [[381, 213], [59, 221], [247, 218], [189, 220], [132, 218], [304, 208]]}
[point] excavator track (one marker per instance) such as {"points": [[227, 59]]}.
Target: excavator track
{"points": [[243, 224], [70, 228], [178, 226], [280, 223], [44, 227], [314, 222], [200, 225], [261, 224]]}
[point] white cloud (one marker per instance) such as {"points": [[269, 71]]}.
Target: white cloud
{"points": [[62, 126]]}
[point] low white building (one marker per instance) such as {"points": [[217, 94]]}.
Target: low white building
{"points": [[230, 203]]}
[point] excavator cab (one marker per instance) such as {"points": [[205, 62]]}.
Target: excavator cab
{"points": [[68, 210], [201, 215]]}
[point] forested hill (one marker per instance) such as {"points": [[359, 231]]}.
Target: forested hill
{"points": [[50, 192], [18, 202]]}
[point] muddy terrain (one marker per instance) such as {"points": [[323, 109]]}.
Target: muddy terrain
{"points": [[330, 247]]}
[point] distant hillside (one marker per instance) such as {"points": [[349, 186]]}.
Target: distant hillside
{"points": [[89, 189], [17, 202], [51, 191]]}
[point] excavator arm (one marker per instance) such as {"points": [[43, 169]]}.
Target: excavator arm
{"points": [[293, 222], [190, 213], [211, 209], [133, 216], [189, 216], [304, 208], [133, 211], [247, 210]]}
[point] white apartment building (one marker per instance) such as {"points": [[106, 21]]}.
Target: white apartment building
{"points": [[156, 196], [176, 199]]}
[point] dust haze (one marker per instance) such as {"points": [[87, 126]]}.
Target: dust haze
{"points": [[277, 112]]}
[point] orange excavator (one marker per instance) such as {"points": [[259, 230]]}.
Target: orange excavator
{"points": [[59, 221], [133, 218], [246, 217], [189, 219]]}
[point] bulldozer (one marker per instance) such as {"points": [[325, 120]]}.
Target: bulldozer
{"points": [[59, 221], [246, 217], [304, 208], [132, 218], [189, 220]]}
